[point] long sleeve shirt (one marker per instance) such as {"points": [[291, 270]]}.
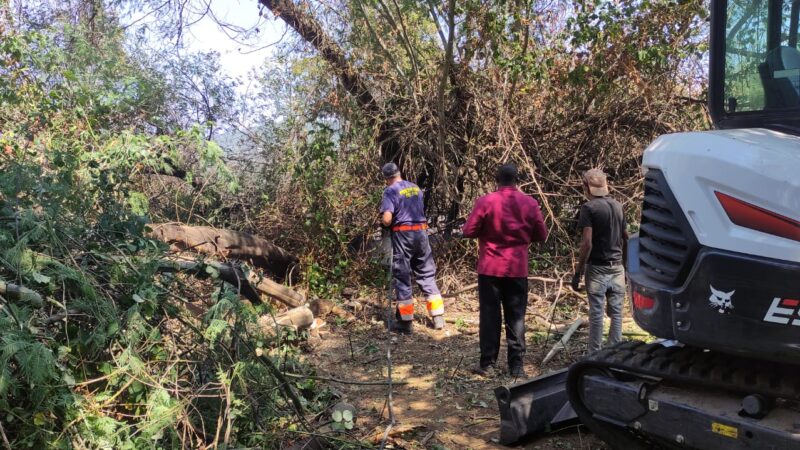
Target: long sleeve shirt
{"points": [[505, 223]]}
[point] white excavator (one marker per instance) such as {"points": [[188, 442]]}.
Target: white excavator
{"points": [[714, 270]]}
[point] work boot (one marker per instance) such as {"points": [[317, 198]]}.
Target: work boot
{"points": [[517, 372], [483, 371], [438, 322], [401, 327]]}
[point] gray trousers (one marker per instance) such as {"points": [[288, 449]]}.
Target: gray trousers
{"points": [[605, 287], [412, 254]]}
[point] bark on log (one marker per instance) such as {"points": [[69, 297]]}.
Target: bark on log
{"points": [[21, 293], [226, 244], [322, 308]]}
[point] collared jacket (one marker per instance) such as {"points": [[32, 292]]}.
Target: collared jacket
{"points": [[505, 223]]}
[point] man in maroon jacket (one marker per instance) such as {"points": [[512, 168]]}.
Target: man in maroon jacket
{"points": [[505, 223]]}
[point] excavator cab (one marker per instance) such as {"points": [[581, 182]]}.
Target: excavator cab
{"points": [[754, 64]]}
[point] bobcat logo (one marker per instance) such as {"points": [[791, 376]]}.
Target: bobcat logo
{"points": [[721, 301]]}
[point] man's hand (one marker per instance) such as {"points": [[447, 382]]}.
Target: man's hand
{"points": [[576, 281]]}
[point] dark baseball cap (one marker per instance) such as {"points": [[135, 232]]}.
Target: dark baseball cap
{"points": [[389, 170]]}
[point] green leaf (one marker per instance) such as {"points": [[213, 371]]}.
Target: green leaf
{"points": [[348, 425], [347, 415], [337, 416], [215, 329], [40, 278], [37, 363], [211, 270], [68, 379], [137, 298]]}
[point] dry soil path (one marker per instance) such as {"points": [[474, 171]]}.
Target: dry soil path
{"points": [[442, 403]]}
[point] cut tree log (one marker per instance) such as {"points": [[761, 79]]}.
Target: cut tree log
{"points": [[226, 244], [563, 341], [21, 293], [297, 319], [322, 308]]}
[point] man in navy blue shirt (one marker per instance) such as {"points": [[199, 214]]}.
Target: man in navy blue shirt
{"points": [[402, 210]]}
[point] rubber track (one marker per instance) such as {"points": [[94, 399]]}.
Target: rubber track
{"points": [[681, 367], [689, 366]]}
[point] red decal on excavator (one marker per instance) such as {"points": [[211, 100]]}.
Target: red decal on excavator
{"points": [[757, 218], [783, 311]]}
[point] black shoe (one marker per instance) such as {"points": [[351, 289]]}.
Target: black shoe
{"points": [[483, 371], [517, 372], [401, 327]]}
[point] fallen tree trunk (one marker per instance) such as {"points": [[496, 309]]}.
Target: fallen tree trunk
{"points": [[226, 244], [251, 286]]}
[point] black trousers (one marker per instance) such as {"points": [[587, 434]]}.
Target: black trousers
{"points": [[510, 295]]}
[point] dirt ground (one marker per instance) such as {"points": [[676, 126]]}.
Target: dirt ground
{"points": [[441, 403]]}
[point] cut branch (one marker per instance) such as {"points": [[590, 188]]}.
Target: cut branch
{"points": [[297, 319], [250, 286], [21, 293], [563, 341]]}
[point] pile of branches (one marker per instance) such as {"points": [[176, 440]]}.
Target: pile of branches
{"points": [[451, 91]]}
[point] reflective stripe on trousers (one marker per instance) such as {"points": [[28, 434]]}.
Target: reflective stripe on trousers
{"points": [[435, 305], [405, 309]]}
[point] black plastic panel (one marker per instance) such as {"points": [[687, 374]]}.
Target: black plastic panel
{"points": [[754, 285], [666, 240]]}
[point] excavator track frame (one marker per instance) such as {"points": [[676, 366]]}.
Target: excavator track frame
{"points": [[632, 371]]}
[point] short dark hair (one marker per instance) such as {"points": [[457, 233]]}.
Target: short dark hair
{"points": [[506, 175], [390, 170]]}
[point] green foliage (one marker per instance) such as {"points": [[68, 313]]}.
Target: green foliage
{"points": [[343, 419], [114, 359]]}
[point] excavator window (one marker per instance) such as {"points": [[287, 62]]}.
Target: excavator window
{"points": [[762, 61]]}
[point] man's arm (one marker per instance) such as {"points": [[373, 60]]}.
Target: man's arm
{"points": [[624, 230], [472, 227], [624, 246], [387, 208], [583, 256], [539, 227], [386, 218], [585, 225], [585, 249]]}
